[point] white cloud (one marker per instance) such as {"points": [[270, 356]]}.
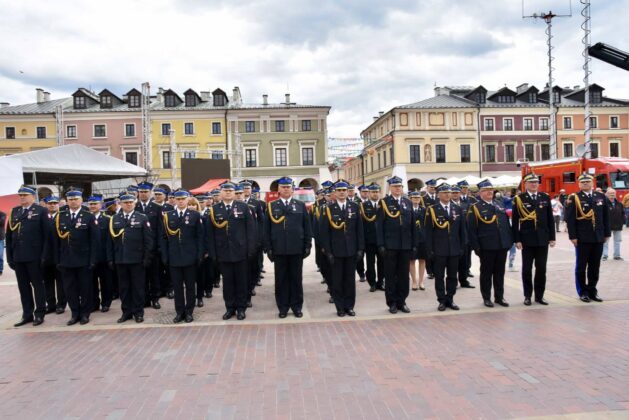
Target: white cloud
{"points": [[360, 57]]}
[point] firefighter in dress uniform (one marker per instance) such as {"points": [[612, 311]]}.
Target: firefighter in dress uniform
{"points": [[102, 276], [55, 295], [490, 238], [587, 218], [533, 232], [374, 263]]}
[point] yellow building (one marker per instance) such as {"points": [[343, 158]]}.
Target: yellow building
{"points": [[24, 128], [433, 138], [197, 125]]}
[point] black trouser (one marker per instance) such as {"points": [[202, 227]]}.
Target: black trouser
{"points": [[396, 274], [32, 290], [326, 269], [184, 299], [360, 267], [210, 272], [289, 290], [131, 285], [78, 287], [445, 285], [588, 258], [539, 255], [373, 261], [55, 295], [252, 275], [217, 273], [463, 266], [429, 268], [201, 277], [114, 283], [101, 286], [234, 285], [165, 283], [319, 257], [343, 287], [152, 289], [492, 269], [260, 261]]}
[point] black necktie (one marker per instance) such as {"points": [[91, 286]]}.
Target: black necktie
{"points": [[446, 208], [72, 217], [180, 215], [228, 207], [534, 197], [126, 217]]}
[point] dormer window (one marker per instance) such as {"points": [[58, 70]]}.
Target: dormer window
{"points": [[191, 100], [480, 97], [105, 101], [80, 102], [503, 99], [556, 97], [169, 100], [134, 101], [596, 96], [532, 97], [219, 100]]}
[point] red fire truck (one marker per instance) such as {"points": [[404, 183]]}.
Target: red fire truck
{"points": [[559, 174]]}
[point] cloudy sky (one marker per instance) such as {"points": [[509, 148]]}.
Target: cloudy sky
{"points": [[358, 56]]}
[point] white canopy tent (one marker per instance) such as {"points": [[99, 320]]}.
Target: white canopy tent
{"points": [[73, 163]]}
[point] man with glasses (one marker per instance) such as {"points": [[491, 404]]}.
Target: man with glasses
{"points": [[587, 218]]}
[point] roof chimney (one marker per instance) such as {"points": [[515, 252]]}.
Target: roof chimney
{"points": [[265, 99], [522, 88], [160, 95], [287, 98], [380, 114], [236, 98], [577, 87], [441, 91], [205, 96], [46, 96], [375, 118], [4, 104], [40, 95]]}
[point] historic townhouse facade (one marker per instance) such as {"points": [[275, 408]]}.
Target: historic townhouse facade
{"points": [[278, 139]]}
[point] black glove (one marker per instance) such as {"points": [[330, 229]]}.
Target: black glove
{"points": [[330, 259], [359, 254], [269, 254], [146, 263], [110, 264], [381, 251], [307, 252]]}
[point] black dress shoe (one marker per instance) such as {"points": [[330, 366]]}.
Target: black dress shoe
{"points": [[155, 304], [104, 309], [468, 286], [469, 274], [259, 283], [23, 321], [393, 309], [252, 293], [323, 281], [240, 315], [541, 301], [454, 306], [59, 311], [50, 310], [283, 315], [503, 303], [139, 319], [73, 320], [249, 304], [84, 320], [179, 318], [38, 321], [331, 300], [261, 276], [170, 295], [488, 303], [200, 303], [217, 285], [596, 298], [262, 271], [340, 313], [362, 280], [350, 312], [405, 309], [298, 314], [441, 307], [207, 294], [585, 298], [527, 301], [380, 288], [372, 289], [124, 318], [189, 318]]}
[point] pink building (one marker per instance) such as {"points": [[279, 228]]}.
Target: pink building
{"points": [[107, 123]]}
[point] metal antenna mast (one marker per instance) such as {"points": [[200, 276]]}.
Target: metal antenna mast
{"points": [[146, 125], [587, 29], [552, 110], [59, 118]]}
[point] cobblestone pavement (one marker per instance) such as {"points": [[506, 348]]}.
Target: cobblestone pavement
{"points": [[569, 358]]}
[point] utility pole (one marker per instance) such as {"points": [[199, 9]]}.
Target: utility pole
{"points": [[552, 110], [59, 120], [173, 158], [587, 29], [146, 125]]}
